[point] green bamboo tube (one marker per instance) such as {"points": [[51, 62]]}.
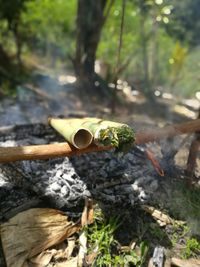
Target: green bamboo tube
{"points": [[104, 133], [72, 131]]}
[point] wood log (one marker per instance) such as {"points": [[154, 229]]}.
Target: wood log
{"points": [[10, 154]]}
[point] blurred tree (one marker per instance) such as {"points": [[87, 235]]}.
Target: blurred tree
{"points": [[49, 28], [91, 16], [177, 62], [153, 14], [11, 11], [185, 21], [144, 8]]}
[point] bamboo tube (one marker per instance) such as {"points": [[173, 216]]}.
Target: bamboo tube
{"points": [[9, 154], [73, 132], [104, 133]]}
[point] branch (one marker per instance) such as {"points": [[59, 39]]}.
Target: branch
{"points": [[193, 153], [107, 11], [10, 154], [168, 131]]}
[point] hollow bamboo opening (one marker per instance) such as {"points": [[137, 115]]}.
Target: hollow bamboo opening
{"points": [[82, 138]]}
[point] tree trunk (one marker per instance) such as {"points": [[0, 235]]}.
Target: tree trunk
{"points": [[145, 60], [90, 20], [18, 44], [155, 54]]}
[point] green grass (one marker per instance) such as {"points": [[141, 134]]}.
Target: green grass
{"points": [[192, 248], [101, 239]]}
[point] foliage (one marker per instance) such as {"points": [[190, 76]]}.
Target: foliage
{"points": [[51, 25], [11, 11], [101, 240], [185, 21], [122, 138], [189, 75], [165, 28], [192, 248]]}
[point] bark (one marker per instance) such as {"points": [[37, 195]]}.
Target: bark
{"points": [[18, 45], [145, 59], [155, 54], [90, 20]]}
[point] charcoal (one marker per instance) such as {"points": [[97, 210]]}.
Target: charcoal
{"points": [[64, 183]]}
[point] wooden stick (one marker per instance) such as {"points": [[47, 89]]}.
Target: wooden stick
{"points": [[10, 154], [168, 131]]}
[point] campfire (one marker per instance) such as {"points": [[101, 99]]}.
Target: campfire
{"points": [[39, 170]]}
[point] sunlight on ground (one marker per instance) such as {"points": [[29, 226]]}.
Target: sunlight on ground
{"points": [[192, 103], [198, 95], [167, 96], [184, 111], [65, 79]]}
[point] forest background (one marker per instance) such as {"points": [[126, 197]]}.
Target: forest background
{"points": [[160, 50]]}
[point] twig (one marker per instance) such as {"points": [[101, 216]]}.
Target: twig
{"points": [[9, 154], [107, 11]]}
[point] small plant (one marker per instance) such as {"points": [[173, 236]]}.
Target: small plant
{"points": [[179, 231], [192, 248], [101, 241]]}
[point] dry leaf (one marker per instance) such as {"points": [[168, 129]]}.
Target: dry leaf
{"points": [[159, 216], [65, 252], [90, 258], [167, 263], [43, 258], [70, 247], [185, 263], [69, 263], [31, 232], [88, 213], [82, 249], [150, 263]]}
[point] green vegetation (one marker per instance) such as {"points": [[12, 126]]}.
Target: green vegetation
{"points": [[102, 242], [160, 46], [122, 138], [192, 248], [179, 231]]}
